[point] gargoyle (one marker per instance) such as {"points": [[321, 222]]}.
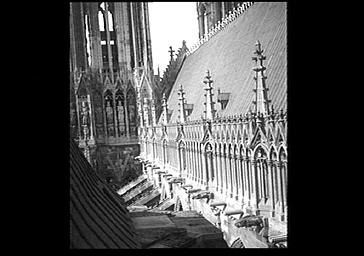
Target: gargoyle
{"points": [[202, 195], [249, 221]]}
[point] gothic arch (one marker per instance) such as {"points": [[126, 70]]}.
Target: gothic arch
{"points": [[260, 146], [272, 150], [282, 153], [260, 156], [238, 136], [208, 150], [227, 139], [242, 150]]}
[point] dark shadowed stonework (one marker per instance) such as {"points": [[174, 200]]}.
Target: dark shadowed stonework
{"points": [[98, 218]]}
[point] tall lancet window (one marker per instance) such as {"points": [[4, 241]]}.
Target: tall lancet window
{"points": [[262, 173], [131, 102], [101, 18], [283, 170], [120, 113], [205, 23], [165, 152], [209, 162], [182, 156], [88, 43], [109, 111], [107, 32]]}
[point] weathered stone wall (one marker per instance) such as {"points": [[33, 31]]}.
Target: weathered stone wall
{"points": [[115, 160]]}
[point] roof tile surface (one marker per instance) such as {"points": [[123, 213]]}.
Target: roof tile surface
{"points": [[228, 56]]}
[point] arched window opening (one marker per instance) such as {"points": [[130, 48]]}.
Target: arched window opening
{"points": [[165, 152], [110, 20], [237, 170], [109, 110], [99, 123], [120, 113], [275, 176], [225, 167], [231, 169], [249, 173], [260, 158], [283, 171], [131, 102], [182, 156], [88, 44], [101, 21], [209, 162]]}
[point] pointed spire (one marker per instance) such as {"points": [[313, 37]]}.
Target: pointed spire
{"points": [[181, 104], [261, 102], [209, 104]]}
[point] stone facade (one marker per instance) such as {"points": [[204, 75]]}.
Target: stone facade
{"points": [[230, 168], [110, 50]]}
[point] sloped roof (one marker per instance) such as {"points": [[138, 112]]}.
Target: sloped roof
{"points": [[228, 56], [97, 217]]}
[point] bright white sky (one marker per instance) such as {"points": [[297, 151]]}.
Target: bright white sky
{"points": [[170, 23]]}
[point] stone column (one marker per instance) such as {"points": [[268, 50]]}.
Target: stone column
{"points": [[114, 115], [91, 118], [133, 34], [95, 37], [126, 108]]}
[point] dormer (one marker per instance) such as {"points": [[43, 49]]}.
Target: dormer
{"points": [[223, 98]]}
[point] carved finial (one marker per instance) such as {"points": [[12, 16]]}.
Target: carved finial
{"points": [[163, 99], [181, 104], [209, 104], [258, 48], [171, 51], [281, 115]]}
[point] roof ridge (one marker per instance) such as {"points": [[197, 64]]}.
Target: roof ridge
{"points": [[229, 17]]}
